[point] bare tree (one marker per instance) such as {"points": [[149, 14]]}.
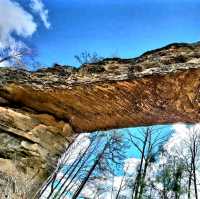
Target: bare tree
{"points": [[19, 57], [86, 58], [111, 163], [146, 142], [191, 158], [85, 180], [62, 161], [121, 185], [177, 169], [78, 170]]}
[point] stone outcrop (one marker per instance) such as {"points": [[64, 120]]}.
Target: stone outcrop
{"points": [[30, 144], [40, 111]]}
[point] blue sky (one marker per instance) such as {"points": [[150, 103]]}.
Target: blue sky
{"points": [[125, 28]]}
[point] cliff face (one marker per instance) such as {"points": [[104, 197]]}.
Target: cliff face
{"points": [[39, 110], [30, 144]]}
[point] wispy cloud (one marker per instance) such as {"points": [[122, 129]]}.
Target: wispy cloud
{"points": [[38, 7], [14, 20], [182, 134], [18, 23]]}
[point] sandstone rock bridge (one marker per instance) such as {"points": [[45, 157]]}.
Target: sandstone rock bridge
{"points": [[41, 111]]}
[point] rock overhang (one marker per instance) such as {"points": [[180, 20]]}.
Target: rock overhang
{"points": [[159, 87]]}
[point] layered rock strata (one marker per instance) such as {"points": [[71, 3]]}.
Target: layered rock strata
{"points": [[40, 111]]}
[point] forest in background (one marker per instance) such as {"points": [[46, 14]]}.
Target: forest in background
{"points": [[95, 166]]}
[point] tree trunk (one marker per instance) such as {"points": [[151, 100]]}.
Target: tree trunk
{"points": [[73, 167], [80, 188], [138, 179], [120, 187], [195, 182], [189, 184], [52, 178], [143, 179], [194, 167], [76, 174]]}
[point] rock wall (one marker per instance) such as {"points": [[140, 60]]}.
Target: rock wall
{"points": [[41, 111], [30, 144]]}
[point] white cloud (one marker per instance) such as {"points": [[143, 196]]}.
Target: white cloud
{"points": [[130, 165], [181, 135], [130, 168], [4, 64], [77, 149], [16, 23], [38, 7], [14, 20]]}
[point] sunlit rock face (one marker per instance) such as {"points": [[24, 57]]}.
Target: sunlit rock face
{"points": [[40, 110], [30, 144], [161, 86]]}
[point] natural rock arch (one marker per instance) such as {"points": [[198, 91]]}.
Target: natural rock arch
{"points": [[40, 111]]}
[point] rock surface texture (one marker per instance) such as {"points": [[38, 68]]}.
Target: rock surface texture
{"points": [[40, 111]]}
